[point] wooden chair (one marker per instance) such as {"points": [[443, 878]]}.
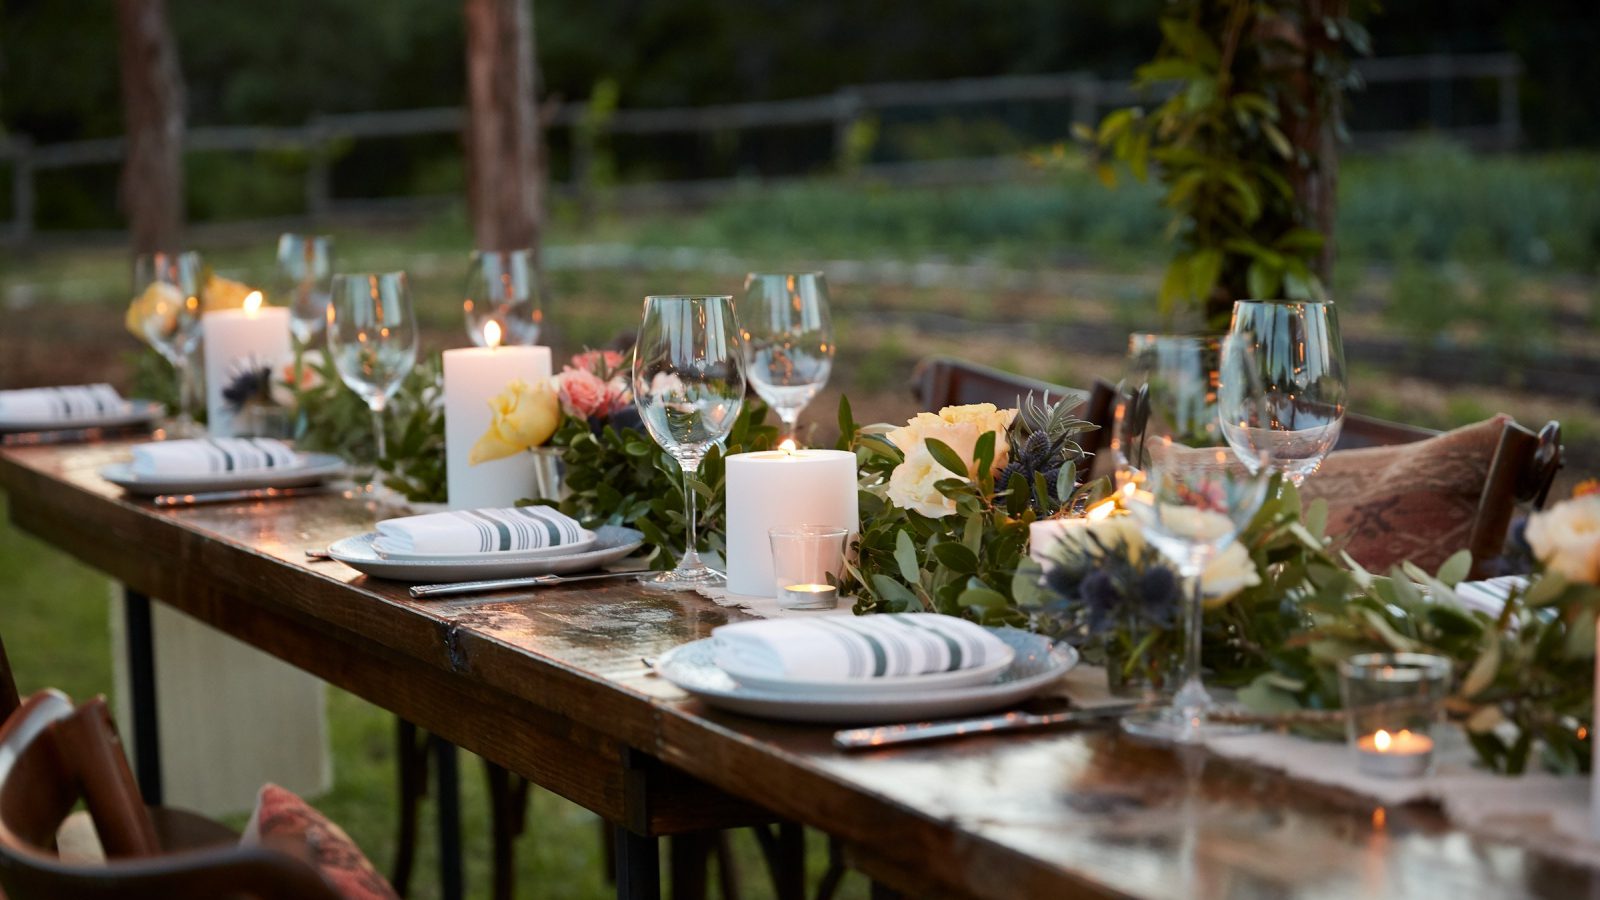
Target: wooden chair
{"points": [[51, 756], [1523, 468]]}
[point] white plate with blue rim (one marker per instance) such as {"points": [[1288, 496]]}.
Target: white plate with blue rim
{"points": [[1037, 663], [612, 543]]}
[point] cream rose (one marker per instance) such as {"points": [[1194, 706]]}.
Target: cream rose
{"points": [[1228, 573], [524, 417], [225, 293], [911, 485], [1566, 538], [154, 313]]}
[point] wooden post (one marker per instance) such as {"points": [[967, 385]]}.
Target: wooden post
{"points": [[1309, 113], [505, 190], [22, 196], [152, 102], [1510, 123]]}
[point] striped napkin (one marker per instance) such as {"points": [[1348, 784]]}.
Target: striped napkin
{"points": [[61, 404], [839, 648], [212, 455], [469, 531]]}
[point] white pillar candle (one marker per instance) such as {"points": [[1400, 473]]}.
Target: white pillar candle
{"points": [[472, 377], [769, 489], [1043, 534], [235, 341]]}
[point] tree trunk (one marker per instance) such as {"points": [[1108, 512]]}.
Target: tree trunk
{"points": [[152, 100], [505, 190], [1309, 115]]}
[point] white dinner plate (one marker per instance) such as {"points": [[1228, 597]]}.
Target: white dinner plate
{"points": [[1038, 663], [585, 540], [612, 543], [314, 468], [137, 412], [850, 687]]}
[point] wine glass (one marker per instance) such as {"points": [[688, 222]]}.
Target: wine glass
{"points": [[688, 385], [1299, 366], [788, 341], [503, 287], [1187, 491], [372, 337], [305, 266], [168, 308]]}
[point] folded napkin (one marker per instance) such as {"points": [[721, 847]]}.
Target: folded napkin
{"points": [[61, 404], [465, 531], [837, 648], [207, 455]]}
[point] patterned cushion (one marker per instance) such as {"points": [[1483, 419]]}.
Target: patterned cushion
{"points": [[282, 820], [1407, 501]]}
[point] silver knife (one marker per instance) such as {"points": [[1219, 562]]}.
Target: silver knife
{"points": [[500, 584], [169, 500], [919, 732]]}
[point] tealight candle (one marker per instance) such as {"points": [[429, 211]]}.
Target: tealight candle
{"points": [[809, 596], [239, 343], [472, 377], [782, 489], [1043, 534], [1404, 754]]}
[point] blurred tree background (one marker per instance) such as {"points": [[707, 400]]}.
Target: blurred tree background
{"points": [[281, 64]]}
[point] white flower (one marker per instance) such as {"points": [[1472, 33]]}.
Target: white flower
{"points": [[1229, 572], [1566, 538], [911, 485]]}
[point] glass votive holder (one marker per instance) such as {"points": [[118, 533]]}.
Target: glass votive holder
{"points": [[1391, 702], [806, 564]]}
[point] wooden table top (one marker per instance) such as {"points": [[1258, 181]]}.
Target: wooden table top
{"points": [[540, 681]]}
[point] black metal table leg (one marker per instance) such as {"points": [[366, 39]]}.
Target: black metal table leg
{"points": [[139, 637], [451, 881], [638, 866]]}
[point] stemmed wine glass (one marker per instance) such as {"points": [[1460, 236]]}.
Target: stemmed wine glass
{"points": [[305, 266], [168, 306], [788, 340], [688, 384], [1299, 366], [372, 337], [1184, 486], [503, 287]]}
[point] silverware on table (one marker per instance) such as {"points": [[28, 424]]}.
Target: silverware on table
{"points": [[169, 500], [919, 732], [500, 584]]}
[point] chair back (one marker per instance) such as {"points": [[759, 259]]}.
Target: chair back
{"points": [[941, 381], [51, 756], [9, 698]]}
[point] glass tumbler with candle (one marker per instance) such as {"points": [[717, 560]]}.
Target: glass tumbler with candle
{"points": [[806, 564], [1391, 702]]}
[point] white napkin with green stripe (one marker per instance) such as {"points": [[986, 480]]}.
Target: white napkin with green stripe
{"points": [[469, 531], [840, 648], [203, 456], [61, 404]]}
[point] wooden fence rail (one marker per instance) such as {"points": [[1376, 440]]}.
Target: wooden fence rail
{"points": [[1086, 95]]}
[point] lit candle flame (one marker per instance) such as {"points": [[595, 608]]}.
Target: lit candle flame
{"points": [[788, 446], [1101, 510], [491, 334], [252, 303], [1381, 740]]}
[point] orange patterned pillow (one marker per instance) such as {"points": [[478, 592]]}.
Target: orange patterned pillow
{"points": [[281, 819], [1413, 501]]}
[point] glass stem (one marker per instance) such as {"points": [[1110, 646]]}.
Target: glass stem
{"points": [[1192, 700], [377, 431], [185, 396], [791, 424], [691, 515]]}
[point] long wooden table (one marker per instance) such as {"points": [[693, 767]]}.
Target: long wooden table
{"points": [[551, 685]]}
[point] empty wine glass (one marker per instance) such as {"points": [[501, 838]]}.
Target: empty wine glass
{"points": [[788, 340], [305, 267], [1184, 487], [168, 307], [503, 287], [1299, 366], [688, 385], [372, 337]]}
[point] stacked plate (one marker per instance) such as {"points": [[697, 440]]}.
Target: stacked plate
{"points": [[1032, 663], [595, 549]]}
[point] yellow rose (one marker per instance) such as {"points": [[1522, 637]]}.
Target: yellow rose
{"points": [[985, 417], [225, 293], [524, 417], [154, 313], [1566, 538]]}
